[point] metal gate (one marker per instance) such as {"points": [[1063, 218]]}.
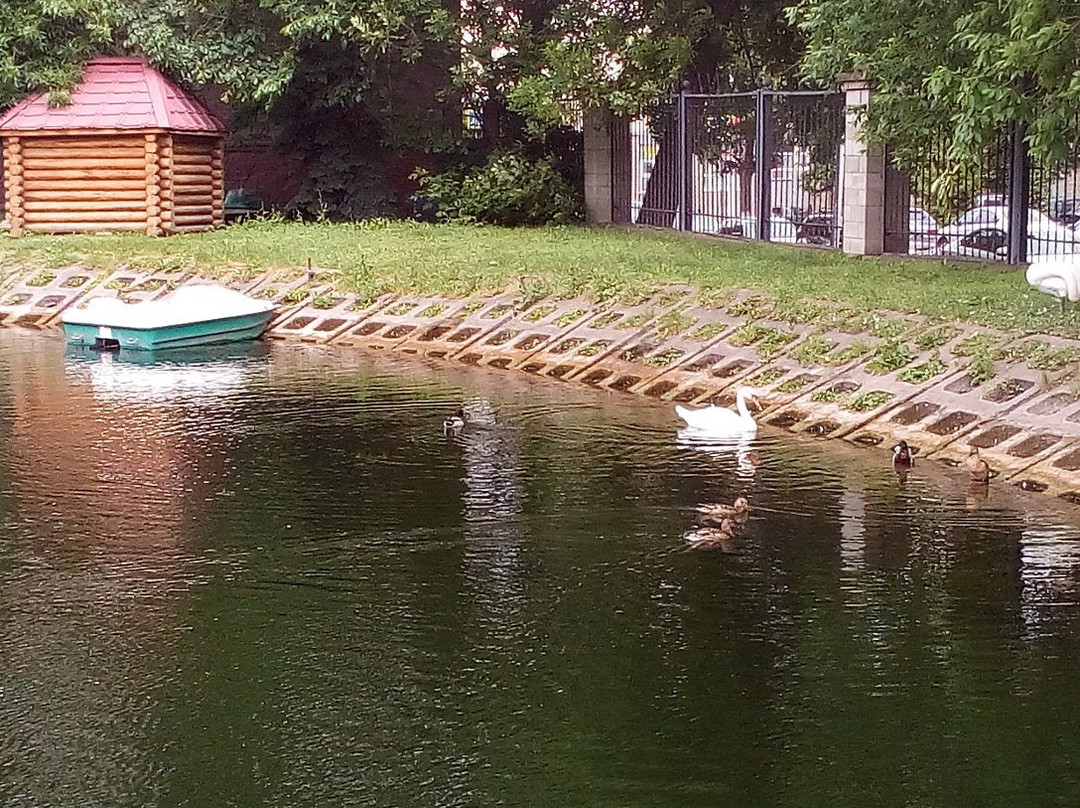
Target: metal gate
{"points": [[764, 165]]}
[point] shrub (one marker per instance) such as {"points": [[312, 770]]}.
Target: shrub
{"points": [[509, 190], [344, 184]]}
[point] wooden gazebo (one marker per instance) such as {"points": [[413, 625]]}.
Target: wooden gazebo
{"points": [[131, 151]]}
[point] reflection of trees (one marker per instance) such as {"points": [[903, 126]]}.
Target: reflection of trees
{"points": [[510, 617]]}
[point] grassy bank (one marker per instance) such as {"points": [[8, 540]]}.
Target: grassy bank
{"points": [[601, 264]]}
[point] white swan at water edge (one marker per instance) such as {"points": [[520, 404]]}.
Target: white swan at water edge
{"points": [[718, 421], [1058, 276]]}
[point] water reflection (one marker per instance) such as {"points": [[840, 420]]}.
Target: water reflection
{"points": [[179, 377], [273, 577], [111, 481], [741, 448], [492, 501], [1050, 577]]}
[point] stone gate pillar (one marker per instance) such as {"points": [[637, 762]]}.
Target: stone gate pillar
{"points": [[863, 180], [598, 179]]}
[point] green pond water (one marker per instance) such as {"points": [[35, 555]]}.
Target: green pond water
{"points": [[265, 577]]}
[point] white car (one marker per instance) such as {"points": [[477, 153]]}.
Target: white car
{"points": [[922, 233], [983, 232]]}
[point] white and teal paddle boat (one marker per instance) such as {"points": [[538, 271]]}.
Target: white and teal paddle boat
{"points": [[195, 314]]}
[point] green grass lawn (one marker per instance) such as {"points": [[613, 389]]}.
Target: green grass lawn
{"points": [[603, 264]]}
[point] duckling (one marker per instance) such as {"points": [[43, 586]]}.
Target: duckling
{"points": [[455, 423], [713, 537], [718, 513], [903, 455], [978, 468]]}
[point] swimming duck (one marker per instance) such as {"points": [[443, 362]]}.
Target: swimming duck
{"points": [[978, 468], [718, 513], [455, 423], [903, 455], [721, 420], [707, 537]]}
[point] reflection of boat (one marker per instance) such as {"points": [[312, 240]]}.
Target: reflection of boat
{"points": [[197, 314], [196, 355], [187, 375]]}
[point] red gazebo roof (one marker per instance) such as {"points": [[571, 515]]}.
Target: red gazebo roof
{"points": [[116, 92]]}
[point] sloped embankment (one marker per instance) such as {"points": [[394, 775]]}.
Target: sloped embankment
{"points": [[824, 371]]}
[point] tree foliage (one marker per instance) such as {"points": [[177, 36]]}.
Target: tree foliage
{"points": [[629, 54], [972, 67], [253, 50], [360, 65], [510, 190]]}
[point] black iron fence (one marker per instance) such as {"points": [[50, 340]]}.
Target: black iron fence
{"points": [[1007, 208], [765, 165]]}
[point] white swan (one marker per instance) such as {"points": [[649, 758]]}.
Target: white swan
{"points": [[1058, 276], [719, 421]]}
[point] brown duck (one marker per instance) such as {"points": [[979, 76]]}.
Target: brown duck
{"points": [[903, 455], [719, 512], [978, 468], [722, 537]]}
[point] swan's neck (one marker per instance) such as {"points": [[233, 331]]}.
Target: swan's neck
{"points": [[740, 402]]}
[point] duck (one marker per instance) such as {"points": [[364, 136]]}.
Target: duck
{"points": [[708, 537], [978, 468], [903, 455], [721, 420], [718, 513], [455, 423]]}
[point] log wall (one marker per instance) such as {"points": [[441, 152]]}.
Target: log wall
{"points": [[196, 189], [68, 184], [155, 182]]}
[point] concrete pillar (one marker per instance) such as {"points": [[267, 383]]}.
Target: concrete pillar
{"points": [[863, 179], [599, 182]]}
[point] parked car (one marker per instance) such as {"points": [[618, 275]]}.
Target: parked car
{"points": [[781, 230], [983, 232], [819, 229], [1065, 210], [922, 233]]}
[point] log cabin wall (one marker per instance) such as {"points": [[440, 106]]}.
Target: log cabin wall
{"points": [[70, 184], [130, 151], [195, 187], [156, 182]]}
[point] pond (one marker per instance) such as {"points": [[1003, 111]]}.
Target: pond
{"points": [[264, 576]]}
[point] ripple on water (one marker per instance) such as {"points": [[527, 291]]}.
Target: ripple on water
{"points": [[295, 589]]}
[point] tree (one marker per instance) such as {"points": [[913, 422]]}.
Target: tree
{"points": [[628, 55], [326, 75], [631, 55], [973, 67], [252, 49]]}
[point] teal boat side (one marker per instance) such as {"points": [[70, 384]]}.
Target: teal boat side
{"points": [[186, 335]]}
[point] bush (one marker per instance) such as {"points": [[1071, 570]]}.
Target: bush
{"points": [[344, 184], [509, 190]]}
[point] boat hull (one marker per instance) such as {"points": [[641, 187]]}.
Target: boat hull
{"points": [[181, 335]]}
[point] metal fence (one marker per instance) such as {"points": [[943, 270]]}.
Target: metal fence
{"points": [[1008, 208], [765, 165]]}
